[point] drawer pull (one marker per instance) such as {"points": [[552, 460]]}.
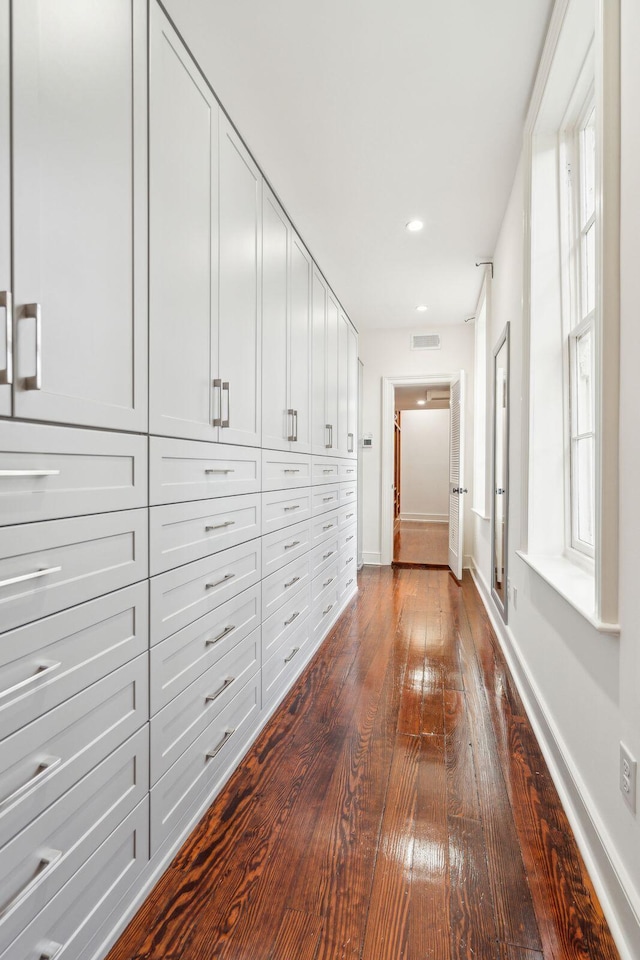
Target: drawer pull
{"points": [[328, 526], [50, 950], [327, 499], [349, 582], [325, 612], [329, 470], [292, 654], [218, 583], [327, 582], [219, 526], [291, 582], [295, 506], [350, 560], [325, 556], [43, 669], [29, 473], [48, 860], [46, 764], [221, 636], [219, 470], [292, 471], [348, 516], [351, 470], [214, 696], [290, 546], [214, 753], [29, 576], [349, 493], [294, 616], [349, 538]]}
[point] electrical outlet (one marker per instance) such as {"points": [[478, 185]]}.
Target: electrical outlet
{"points": [[628, 776]]}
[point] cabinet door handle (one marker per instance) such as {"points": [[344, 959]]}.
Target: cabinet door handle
{"points": [[219, 470], [325, 612], [33, 311], [325, 556], [290, 546], [291, 432], [350, 445], [295, 430], [43, 669], [219, 526], [47, 763], [328, 428], [6, 301], [227, 630], [220, 690], [29, 576], [29, 473], [217, 385], [48, 860], [291, 655], [50, 950], [294, 616], [295, 506], [217, 583], [216, 751], [327, 582], [351, 469], [225, 389], [291, 582]]}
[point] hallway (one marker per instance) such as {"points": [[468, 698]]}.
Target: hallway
{"points": [[397, 806], [419, 543]]}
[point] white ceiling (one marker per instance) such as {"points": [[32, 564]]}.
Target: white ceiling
{"points": [[366, 113], [406, 398]]}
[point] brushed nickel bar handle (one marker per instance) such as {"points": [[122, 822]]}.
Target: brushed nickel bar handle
{"points": [[331, 433], [221, 636], [291, 470], [292, 434], [328, 470], [291, 582], [327, 582], [328, 526], [349, 582], [29, 576], [226, 389], [48, 860], [50, 950], [295, 506], [325, 556], [213, 753], [291, 655], [295, 414], [325, 612], [350, 560], [218, 470], [217, 583], [350, 469], [327, 499], [348, 516], [33, 311], [218, 693], [29, 473], [350, 444], [219, 526], [217, 385], [327, 446], [349, 538], [294, 616], [47, 763], [43, 670], [6, 301], [290, 546]]}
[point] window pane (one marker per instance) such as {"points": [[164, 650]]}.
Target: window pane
{"points": [[588, 163], [583, 490], [583, 389], [589, 271]]}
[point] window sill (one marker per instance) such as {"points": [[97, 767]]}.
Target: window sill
{"points": [[574, 583]]}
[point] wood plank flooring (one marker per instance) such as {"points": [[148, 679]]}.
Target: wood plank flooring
{"points": [[397, 807], [421, 544]]}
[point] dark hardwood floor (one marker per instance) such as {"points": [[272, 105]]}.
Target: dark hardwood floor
{"points": [[397, 807], [421, 544]]}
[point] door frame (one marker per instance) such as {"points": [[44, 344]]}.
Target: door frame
{"points": [[389, 385]]}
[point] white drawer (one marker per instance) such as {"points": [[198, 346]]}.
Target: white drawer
{"points": [[45, 567], [52, 472], [348, 561], [325, 498], [37, 863], [185, 655], [348, 515], [282, 471], [42, 760], [182, 720], [180, 596], [50, 660], [196, 772], [323, 614], [182, 532], [72, 924], [283, 508], [324, 470], [348, 538], [348, 582], [283, 546], [323, 555], [285, 620], [349, 493], [278, 587], [323, 585], [182, 470], [348, 470], [324, 527], [284, 664]]}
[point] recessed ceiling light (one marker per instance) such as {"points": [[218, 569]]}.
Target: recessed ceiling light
{"points": [[421, 403], [414, 226], [422, 308]]}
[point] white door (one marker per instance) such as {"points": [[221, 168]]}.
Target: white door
{"points": [[457, 489], [79, 88], [352, 393], [300, 345], [240, 365], [6, 318], [343, 385], [331, 399], [183, 221], [319, 433], [277, 421]]}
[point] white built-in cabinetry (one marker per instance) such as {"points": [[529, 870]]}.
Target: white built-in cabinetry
{"points": [[166, 569]]}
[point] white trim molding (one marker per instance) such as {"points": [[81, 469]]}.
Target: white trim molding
{"points": [[426, 517], [371, 559]]}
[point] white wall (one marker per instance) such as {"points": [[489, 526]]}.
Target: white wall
{"points": [[424, 460], [583, 687], [387, 353]]}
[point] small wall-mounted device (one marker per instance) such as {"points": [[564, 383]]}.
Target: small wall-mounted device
{"points": [[367, 440]]}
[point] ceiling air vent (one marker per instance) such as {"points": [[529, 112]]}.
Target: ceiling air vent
{"points": [[425, 341]]}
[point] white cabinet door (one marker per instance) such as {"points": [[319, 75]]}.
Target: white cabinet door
{"points": [[352, 392], [343, 384], [277, 422], [331, 401], [183, 217], [300, 345], [240, 214], [6, 319], [319, 431], [80, 211]]}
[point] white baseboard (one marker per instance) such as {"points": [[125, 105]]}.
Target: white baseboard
{"points": [[371, 559], [619, 900], [426, 517]]}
